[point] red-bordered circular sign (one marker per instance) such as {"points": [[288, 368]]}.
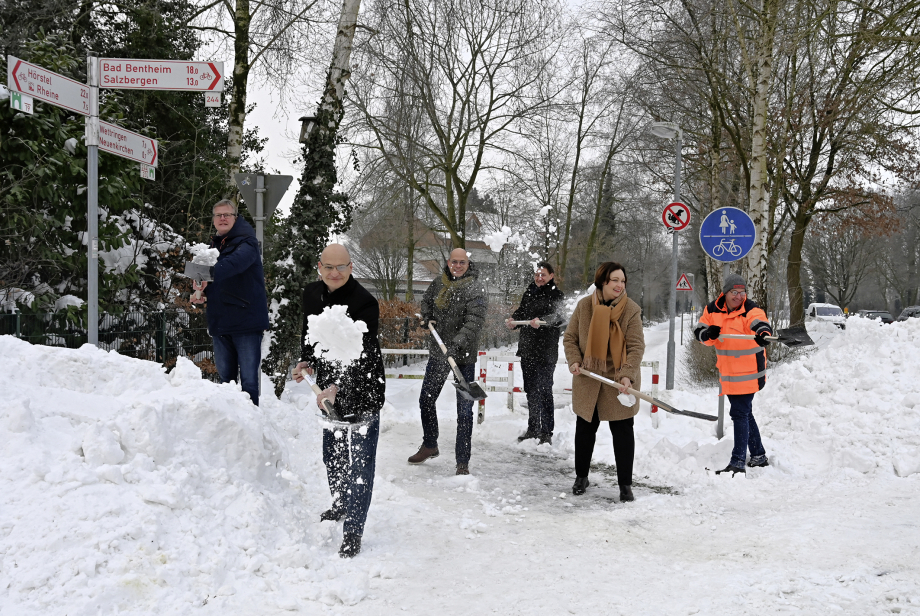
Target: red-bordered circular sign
{"points": [[676, 216]]}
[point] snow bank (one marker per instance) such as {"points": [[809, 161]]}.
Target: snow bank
{"points": [[124, 489], [335, 336]]}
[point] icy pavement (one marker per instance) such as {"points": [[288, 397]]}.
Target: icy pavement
{"points": [[127, 491]]}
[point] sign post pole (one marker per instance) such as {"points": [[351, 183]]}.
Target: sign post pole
{"points": [[92, 202], [260, 210], [672, 299]]}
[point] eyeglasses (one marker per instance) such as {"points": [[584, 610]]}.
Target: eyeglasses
{"points": [[737, 293], [224, 215], [541, 275], [453, 262], [328, 268]]}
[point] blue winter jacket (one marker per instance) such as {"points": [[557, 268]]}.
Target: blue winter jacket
{"points": [[236, 297]]}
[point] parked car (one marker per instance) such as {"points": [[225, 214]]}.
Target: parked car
{"points": [[910, 311], [884, 315], [828, 313]]}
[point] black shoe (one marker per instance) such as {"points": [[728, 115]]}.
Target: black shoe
{"points": [[758, 461], [351, 545], [732, 469], [331, 514], [545, 439], [527, 435], [626, 495], [581, 484]]}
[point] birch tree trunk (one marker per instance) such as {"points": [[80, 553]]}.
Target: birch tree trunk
{"points": [[237, 102]]}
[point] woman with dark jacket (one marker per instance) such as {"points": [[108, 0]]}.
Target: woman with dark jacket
{"points": [[605, 336]]}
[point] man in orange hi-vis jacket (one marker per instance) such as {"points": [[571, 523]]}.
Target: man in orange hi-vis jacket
{"points": [[742, 363]]}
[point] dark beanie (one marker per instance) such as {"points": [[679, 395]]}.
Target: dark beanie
{"points": [[733, 281]]}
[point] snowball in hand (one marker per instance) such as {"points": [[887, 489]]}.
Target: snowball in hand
{"points": [[335, 336], [203, 255]]}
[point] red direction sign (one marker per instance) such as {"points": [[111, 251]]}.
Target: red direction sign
{"points": [[683, 283], [44, 85], [128, 74], [116, 140], [676, 215]]}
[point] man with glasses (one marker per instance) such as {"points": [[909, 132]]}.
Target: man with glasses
{"points": [[742, 364], [455, 303], [355, 390], [237, 307], [538, 348]]}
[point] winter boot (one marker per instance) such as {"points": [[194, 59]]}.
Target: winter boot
{"points": [[527, 435], [332, 514], [626, 494], [759, 461], [463, 469], [351, 545], [581, 484], [546, 439], [423, 454], [732, 469]]}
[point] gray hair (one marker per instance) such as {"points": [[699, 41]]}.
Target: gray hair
{"points": [[226, 202]]}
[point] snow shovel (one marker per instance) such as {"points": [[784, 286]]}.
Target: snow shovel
{"points": [[792, 337], [199, 273], [662, 405], [541, 322], [469, 390], [331, 413]]}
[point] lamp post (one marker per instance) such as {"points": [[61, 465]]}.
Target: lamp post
{"points": [[669, 130]]}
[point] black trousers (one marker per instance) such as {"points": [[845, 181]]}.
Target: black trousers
{"points": [[624, 446], [538, 384]]}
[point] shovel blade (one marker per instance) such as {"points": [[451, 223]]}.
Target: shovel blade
{"points": [[201, 273], [470, 391], [795, 337]]}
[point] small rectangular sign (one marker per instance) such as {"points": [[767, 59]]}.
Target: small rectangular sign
{"points": [[46, 86], [21, 102], [148, 172], [128, 74], [212, 99], [122, 142]]}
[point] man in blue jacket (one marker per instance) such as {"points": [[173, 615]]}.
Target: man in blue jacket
{"points": [[237, 306]]}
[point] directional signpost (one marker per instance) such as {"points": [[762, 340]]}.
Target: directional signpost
{"points": [[29, 82]]}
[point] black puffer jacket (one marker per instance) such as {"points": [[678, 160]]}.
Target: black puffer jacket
{"points": [[545, 303], [361, 383], [458, 307]]}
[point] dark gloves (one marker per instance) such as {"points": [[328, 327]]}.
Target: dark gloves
{"points": [[761, 340], [711, 333], [453, 351]]}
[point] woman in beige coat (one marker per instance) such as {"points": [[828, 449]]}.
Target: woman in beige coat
{"points": [[605, 336]]}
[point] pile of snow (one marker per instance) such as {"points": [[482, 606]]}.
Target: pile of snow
{"points": [[124, 489], [202, 254], [335, 336]]}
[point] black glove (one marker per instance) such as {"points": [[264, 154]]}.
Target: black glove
{"points": [[761, 340], [453, 351], [711, 333]]}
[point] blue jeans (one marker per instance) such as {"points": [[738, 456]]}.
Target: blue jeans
{"points": [[436, 373], [747, 435], [239, 356], [350, 459], [538, 384]]}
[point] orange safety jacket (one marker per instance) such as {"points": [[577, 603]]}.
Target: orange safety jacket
{"points": [[742, 363]]}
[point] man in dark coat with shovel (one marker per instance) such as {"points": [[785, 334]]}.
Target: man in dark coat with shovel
{"points": [[455, 304], [538, 348], [356, 390]]}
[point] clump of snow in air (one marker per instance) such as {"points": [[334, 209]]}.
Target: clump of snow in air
{"points": [[202, 254], [70, 145], [335, 336], [498, 239]]}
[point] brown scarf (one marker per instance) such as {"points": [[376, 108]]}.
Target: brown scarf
{"points": [[451, 289], [605, 335]]}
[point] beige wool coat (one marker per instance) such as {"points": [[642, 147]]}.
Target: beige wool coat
{"points": [[588, 393]]}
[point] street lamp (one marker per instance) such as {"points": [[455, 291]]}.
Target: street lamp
{"points": [[307, 125], [670, 130]]}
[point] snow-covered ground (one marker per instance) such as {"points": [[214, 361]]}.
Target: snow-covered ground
{"points": [[124, 490]]}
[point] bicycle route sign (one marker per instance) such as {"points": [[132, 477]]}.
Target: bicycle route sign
{"points": [[676, 216], [727, 234]]}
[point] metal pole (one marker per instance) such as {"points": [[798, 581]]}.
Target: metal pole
{"points": [[720, 424], [92, 202], [260, 211], [672, 301]]}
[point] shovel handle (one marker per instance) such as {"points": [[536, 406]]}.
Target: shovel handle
{"points": [[316, 389], [746, 337], [541, 322], [647, 398], [450, 359]]}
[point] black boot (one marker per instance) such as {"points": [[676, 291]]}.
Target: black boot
{"points": [[757, 461], [731, 469], [626, 494], [332, 514], [527, 435], [351, 545], [581, 484]]}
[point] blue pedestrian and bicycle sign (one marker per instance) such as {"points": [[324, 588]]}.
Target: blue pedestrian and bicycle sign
{"points": [[727, 234]]}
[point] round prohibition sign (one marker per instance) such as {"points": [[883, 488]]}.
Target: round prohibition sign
{"points": [[676, 216]]}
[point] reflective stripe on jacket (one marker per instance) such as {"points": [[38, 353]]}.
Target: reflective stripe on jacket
{"points": [[742, 364]]}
